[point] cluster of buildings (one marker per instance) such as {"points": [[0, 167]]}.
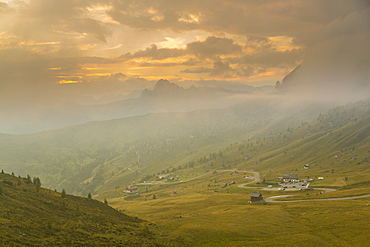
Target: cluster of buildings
{"points": [[131, 190], [288, 178]]}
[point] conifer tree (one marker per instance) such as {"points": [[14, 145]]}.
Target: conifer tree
{"points": [[37, 183], [29, 179], [105, 201], [2, 171], [89, 195], [64, 193]]}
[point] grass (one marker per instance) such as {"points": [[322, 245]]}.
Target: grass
{"points": [[199, 215], [31, 217]]}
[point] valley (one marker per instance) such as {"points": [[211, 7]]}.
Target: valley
{"points": [[192, 174], [200, 212], [197, 210], [184, 123]]}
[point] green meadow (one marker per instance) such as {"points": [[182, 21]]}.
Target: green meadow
{"points": [[201, 213]]}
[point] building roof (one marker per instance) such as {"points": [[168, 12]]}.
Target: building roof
{"points": [[254, 194], [133, 188], [290, 176]]}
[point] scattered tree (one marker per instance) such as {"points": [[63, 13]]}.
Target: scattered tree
{"points": [[64, 193], [37, 183], [105, 201], [154, 197]]}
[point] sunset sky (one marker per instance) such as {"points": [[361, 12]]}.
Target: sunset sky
{"points": [[116, 46]]}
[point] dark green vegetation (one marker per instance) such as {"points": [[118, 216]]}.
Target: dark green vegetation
{"points": [[40, 217]]}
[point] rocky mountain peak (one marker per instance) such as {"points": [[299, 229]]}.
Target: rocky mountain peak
{"points": [[165, 86]]}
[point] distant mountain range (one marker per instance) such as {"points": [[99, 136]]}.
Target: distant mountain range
{"points": [[33, 113]]}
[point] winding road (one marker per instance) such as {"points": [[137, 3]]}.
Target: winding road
{"points": [[257, 178], [273, 198]]}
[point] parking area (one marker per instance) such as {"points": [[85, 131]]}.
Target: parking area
{"points": [[293, 185], [290, 186]]}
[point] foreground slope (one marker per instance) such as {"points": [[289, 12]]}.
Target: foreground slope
{"points": [[31, 216]]}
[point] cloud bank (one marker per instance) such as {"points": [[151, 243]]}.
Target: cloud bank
{"points": [[44, 44]]}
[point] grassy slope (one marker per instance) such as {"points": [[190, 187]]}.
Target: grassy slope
{"points": [[336, 146], [100, 156], [204, 214], [43, 218]]}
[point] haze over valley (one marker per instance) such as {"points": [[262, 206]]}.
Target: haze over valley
{"points": [[186, 124]]}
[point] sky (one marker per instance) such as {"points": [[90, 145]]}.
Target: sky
{"points": [[110, 47]]}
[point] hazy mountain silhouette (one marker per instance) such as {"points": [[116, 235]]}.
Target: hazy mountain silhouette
{"points": [[34, 113]]}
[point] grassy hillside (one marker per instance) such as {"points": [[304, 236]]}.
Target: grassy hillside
{"points": [[202, 213], [101, 156], [336, 146], [199, 212], [34, 216]]}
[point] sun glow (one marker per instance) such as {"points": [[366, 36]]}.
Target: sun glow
{"points": [[68, 82]]}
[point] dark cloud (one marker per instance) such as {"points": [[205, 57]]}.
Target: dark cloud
{"points": [[213, 46], [269, 17], [197, 70], [156, 54], [4, 8], [91, 26], [220, 68], [272, 58], [43, 19], [68, 35], [165, 65], [337, 58]]}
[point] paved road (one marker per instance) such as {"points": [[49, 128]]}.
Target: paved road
{"points": [[273, 198]]}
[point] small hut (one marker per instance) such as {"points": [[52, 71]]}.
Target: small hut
{"points": [[255, 197], [131, 190]]}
